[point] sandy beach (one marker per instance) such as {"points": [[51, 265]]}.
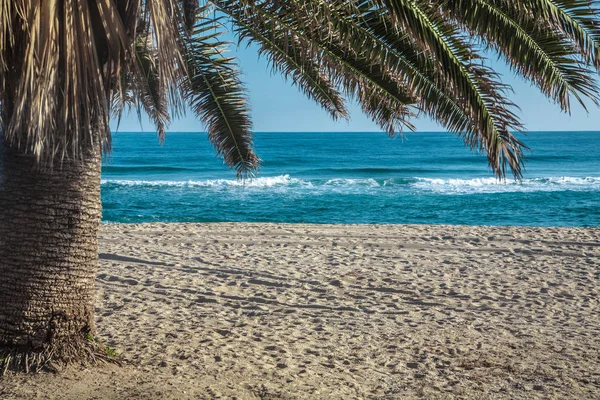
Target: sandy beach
{"points": [[269, 311]]}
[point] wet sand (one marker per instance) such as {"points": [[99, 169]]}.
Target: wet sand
{"points": [[272, 311]]}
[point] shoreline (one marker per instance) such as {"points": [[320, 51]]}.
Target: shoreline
{"points": [[341, 225], [293, 311]]}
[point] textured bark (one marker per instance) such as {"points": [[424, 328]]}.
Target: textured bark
{"points": [[48, 251]]}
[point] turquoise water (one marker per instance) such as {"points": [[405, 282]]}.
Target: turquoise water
{"points": [[427, 178]]}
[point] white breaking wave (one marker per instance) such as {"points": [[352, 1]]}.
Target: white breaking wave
{"points": [[344, 185], [339, 182], [266, 182], [493, 185]]}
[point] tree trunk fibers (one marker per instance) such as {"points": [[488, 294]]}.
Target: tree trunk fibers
{"points": [[49, 224]]}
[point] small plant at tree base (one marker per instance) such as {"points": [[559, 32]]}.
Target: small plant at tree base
{"points": [[110, 352]]}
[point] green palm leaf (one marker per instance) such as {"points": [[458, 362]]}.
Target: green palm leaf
{"points": [[357, 76], [536, 52], [287, 57], [576, 19], [215, 94]]}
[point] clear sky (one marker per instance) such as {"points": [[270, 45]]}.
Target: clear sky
{"points": [[277, 106]]}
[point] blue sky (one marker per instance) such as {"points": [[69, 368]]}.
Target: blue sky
{"points": [[277, 106]]}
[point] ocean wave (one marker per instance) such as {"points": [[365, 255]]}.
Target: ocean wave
{"points": [[281, 181], [341, 182], [493, 185], [341, 185], [264, 182]]}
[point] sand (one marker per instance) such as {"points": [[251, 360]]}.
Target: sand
{"points": [[267, 311]]}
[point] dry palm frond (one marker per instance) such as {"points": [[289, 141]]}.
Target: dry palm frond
{"points": [[55, 103], [60, 63]]}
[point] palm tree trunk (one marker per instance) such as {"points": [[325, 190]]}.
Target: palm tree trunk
{"points": [[48, 252]]}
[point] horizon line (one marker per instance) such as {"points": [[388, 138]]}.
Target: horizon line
{"points": [[399, 134]]}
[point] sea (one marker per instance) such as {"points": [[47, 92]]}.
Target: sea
{"points": [[352, 178]]}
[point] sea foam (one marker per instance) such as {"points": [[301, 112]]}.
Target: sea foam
{"points": [[493, 185], [262, 182], [434, 185]]}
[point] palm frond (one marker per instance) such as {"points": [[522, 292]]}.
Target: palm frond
{"points": [[286, 56], [380, 95], [357, 76], [459, 77], [369, 32], [6, 31], [578, 20], [536, 52], [217, 97], [66, 60], [145, 89], [482, 94], [6, 43], [165, 20], [45, 100]]}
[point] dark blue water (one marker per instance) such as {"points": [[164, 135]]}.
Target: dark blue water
{"points": [[428, 178]]}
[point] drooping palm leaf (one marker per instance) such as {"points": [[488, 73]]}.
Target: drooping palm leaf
{"points": [[146, 89], [482, 95], [536, 52], [333, 49], [66, 60], [576, 19], [368, 31], [287, 57], [358, 76], [215, 94]]}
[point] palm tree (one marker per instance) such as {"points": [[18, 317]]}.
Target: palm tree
{"points": [[67, 66]]}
